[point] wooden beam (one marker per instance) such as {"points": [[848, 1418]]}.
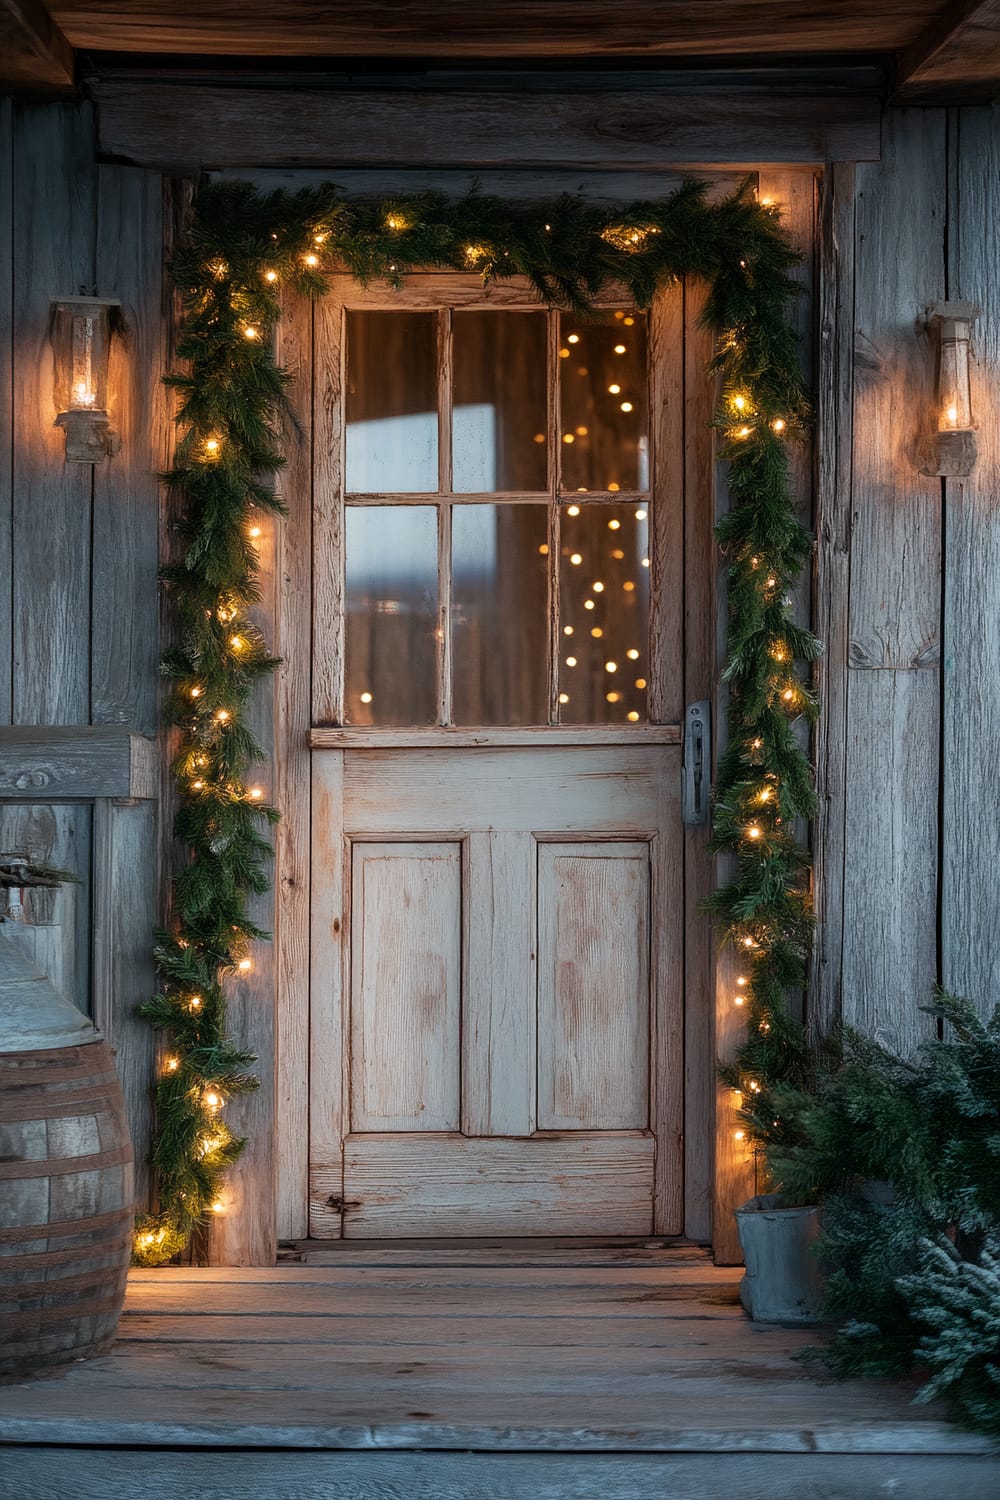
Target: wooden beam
{"points": [[956, 58], [188, 126], [34, 54]]}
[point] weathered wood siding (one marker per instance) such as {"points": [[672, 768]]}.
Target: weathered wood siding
{"points": [[78, 544], [908, 577]]}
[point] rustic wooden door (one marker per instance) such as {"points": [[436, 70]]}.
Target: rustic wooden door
{"points": [[497, 939]]}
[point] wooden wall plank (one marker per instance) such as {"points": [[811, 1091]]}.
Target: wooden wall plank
{"points": [[125, 644], [329, 1020], [970, 938], [205, 125], [291, 780], [891, 863], [834, 431], [54, 232], [6, 403]]}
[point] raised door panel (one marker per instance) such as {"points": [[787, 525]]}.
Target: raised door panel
{"points": [[593, 986], [406, 933]]}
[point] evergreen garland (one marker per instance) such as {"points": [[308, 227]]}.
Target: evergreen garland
{"points": [[243, 250]]}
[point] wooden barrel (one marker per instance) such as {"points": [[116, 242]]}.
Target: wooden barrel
{"points": [[66, 1204]]}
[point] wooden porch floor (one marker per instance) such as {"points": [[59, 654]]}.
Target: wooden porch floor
{"points": [[568, 1347]]}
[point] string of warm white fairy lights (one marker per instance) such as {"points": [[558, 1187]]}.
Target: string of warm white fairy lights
{"points": [[242, 253]]}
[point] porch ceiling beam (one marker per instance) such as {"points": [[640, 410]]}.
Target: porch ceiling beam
{"points": [[34, 54], [181, 126], [956, 58]]}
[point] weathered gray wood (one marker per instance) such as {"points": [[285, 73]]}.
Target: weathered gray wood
{"points": [[76, 761], [207, 126], [608, 1360], [54, 218], [124, 644], [58, 927], [596, 187], [956, 57], [6, 404], [35, 53], [890, 887], [834, 411], [102, 1474], [970, 909]]}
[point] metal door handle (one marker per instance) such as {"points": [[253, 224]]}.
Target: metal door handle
{"points": [[697, 770]]}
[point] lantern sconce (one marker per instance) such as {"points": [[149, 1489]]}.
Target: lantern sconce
{"points": [[950, 451], [80, 330]]}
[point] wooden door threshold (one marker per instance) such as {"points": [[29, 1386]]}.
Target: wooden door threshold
{"points": [[494, 1250]]}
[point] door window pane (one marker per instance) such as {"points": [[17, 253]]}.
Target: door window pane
{"points": [[499, 563], [391, 402], [391, 608], [604, 427], [500, 407], [604, 620]]}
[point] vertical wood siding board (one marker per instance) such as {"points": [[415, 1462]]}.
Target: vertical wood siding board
{"points": [[291, 781], [6, 407], [970, 938], [328, 513], [834, 406], [54, 230], [245, 1234], [795, 192], [891, 828], [124, 645]]}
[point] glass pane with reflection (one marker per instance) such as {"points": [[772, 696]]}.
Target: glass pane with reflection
{"points": [[499, 564], [500, 405], [604, 426], [391, 614], [604, 619], [391, 402]]}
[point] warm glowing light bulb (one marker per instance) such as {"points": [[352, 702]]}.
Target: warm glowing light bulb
{"points": [[256, 793], [245, 965], [753, 832], [196, 786], [778, 424], [645, 562], [576, 558], [270, 276], [589, 604], [640, 682], [739, 999], [739, 402], [223, 716], [564, 354], [640, 515], [613, 697], [311, 260], [582, 431], [628, 586], [567, 630], [254, 532], [195, 692], [619, 348], [564, 697], [611, 666], [743, 432], [632, 654], [574, 338], [544, 549], [626, 406], [748, 942], [633, 717], [788, 695], [218, 1208], [172, 1064], [614, 525], [213, 1101], [195, 1002], [739, 1135], [571, 661], [756, 744], [211, 445], [598, 588], [366, 697], [237, 642], [251, 333], [568, 437], [572, 510], [614, 486], [597, 632]]}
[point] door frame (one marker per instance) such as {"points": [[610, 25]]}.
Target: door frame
{"points": [[716, 1174]]}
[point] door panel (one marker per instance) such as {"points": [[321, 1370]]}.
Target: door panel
{"points": [[593, 986], [405, 987], [503, 983], [584, 1184]]}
